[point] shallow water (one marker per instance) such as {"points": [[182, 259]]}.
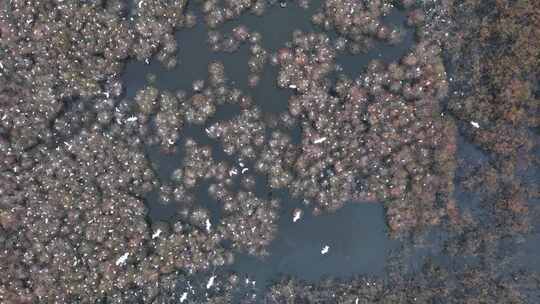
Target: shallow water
{"points": [[357, 234]]}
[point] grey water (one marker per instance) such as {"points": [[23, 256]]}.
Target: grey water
{"points": [[356, 235], [356, 240]]}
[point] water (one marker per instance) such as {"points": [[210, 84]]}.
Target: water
{"points": [[354, 64], [356, 235]]}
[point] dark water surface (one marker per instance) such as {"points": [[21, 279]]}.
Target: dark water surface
{"points": [[356, 235]]}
